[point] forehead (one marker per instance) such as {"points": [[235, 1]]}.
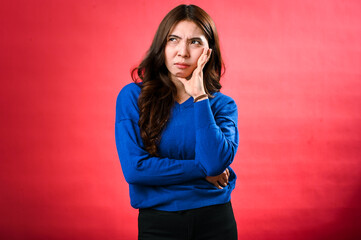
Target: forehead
{"points": [[186, 29]]}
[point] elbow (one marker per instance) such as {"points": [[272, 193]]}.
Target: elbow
{"points": [[130, 179], [132, 176]]}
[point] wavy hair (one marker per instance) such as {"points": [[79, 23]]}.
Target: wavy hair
{"points": [[158, 92]]}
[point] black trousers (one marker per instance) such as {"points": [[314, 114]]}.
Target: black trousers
{"points": [[207, 223]]}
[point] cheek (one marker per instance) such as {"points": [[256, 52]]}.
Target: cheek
{"points": [[196, 55]]}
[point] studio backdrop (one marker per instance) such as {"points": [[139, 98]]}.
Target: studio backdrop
{"points": [[293, 68]]}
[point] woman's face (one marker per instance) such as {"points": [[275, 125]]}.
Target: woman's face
{"points": [[185, 44]]}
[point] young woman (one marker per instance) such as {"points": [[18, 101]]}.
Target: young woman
{"points": [[176, 134]]}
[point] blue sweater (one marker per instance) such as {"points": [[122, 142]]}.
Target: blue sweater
{"points": [[200, 140]]}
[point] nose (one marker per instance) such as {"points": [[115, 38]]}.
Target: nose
{"points": [[183, 50]]}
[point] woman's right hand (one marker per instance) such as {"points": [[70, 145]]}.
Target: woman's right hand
{"points": [[220, 180]]}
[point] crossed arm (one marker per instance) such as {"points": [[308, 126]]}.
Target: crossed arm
{"points": [[139, 167]]}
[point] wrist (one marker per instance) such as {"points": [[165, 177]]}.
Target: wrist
{"points": [[200, 97]]}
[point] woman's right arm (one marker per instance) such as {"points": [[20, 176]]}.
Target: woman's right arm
{"points": [[139, 167]]}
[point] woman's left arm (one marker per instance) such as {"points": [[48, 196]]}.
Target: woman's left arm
{"points": [[216, 135]]}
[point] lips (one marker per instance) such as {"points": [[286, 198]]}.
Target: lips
{"points": [[181, 65]]}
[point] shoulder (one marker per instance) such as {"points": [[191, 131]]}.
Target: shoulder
{"points": [[224, 106], [129, 94], [222, 102], [127, 102], [130, 90]]}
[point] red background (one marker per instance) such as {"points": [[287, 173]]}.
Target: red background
{"points": [[293, 67]]}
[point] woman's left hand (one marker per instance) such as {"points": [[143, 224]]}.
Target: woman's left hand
{"points": [[221, 180], [194, 84]]}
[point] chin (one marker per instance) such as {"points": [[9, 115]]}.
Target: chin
{"points": [[183, 74]]}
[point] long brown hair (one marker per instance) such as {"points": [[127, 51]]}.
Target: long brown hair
{"points": [[157, 90]]}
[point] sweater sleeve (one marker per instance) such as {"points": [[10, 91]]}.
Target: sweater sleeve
{"points": [[216, 135], [139, 167]]}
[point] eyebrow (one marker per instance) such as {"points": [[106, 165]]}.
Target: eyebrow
{"points": [[193, 38]]}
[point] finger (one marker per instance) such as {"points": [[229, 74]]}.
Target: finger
{"points": [[207, 57], [217, 185], [222, 183], [228, 173], [203, 58], [204, 52], [209, 53], [225, 179]]}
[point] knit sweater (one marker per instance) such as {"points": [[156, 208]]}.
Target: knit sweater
{"points": [[199, 140]]}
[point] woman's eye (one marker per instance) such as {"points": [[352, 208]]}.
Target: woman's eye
{"points": [[196, 42], [172, 39]]}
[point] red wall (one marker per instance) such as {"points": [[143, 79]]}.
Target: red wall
{"points": [[293, 67]]}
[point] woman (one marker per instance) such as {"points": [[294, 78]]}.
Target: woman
{"points": [[176, 134]]}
